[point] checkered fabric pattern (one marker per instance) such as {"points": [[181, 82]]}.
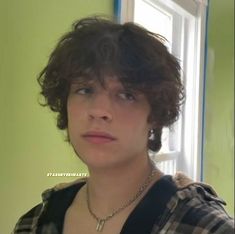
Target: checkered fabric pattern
{"points": [[194, 209]]}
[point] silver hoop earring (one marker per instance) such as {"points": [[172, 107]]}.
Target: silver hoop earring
{"points": [[151, 135]]}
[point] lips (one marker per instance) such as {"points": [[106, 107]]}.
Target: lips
{"points": [[98, 137]]}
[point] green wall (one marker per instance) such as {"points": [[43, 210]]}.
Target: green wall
{"points": [[219, 111], [30, 144]]}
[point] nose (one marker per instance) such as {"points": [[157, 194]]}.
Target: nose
{"points": [[100, 108]]}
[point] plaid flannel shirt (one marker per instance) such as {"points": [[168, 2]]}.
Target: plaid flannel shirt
{"points": [[193, 208]]}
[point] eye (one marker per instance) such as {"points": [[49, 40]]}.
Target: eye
{"points": [[127, 96], [84, 91]]}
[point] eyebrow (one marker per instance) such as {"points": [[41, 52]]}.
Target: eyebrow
{"points": [[82, 80]]}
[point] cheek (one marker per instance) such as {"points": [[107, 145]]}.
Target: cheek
{"points": [[74, 109], [134, 134], [135, 122], [73, 115], [70, 114]]}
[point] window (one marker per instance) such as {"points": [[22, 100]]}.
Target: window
{"points": [[182, 23]]}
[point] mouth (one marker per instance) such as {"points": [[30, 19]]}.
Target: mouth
{"points": [[98, 137]]}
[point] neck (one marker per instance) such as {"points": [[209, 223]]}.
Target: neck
{"points": [[111, 188]]}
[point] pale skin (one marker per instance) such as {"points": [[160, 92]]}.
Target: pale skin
{"points": [[118, 163]]}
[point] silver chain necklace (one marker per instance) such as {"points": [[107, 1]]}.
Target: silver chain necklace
{"points": [[101, 221]]}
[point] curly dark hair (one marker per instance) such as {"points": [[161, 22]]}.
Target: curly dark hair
{"points": [[135, 55]]}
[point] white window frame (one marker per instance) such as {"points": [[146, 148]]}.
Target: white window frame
{"points": [[189, 155]]}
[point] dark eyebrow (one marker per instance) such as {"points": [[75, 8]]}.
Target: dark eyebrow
{"points": [[82, 80]]}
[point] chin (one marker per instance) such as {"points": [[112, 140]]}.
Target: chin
{"points": [[95, 159]]}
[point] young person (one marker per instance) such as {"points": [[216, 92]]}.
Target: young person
{"points": [[114, 88]]}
